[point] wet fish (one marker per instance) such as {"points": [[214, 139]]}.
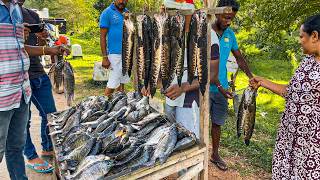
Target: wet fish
{"points": [[177, 47], [146, 130], [131, 146], [73, 121], [68, 82], [62, 118], [96, 123], [105, 124], [247, 114], [137, 152], [185, 143], [165, 146], [146, 120], [91, 159], [127, 45], [78, 154], [57, 73], [92, 171], [96, 149], [120, 104], [75, 141], [161, 51]]}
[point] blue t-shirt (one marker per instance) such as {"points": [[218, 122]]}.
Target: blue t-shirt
{"points": [[112, 20], [12, 17], [228, 43]]}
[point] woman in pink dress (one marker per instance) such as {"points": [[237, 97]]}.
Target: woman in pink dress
{"points": [[297, 149]]}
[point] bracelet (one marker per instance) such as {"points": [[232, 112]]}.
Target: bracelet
{"points": [[104, 56], [43, 53]]}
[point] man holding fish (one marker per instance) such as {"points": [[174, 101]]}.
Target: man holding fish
{"points": [[219, 82]]}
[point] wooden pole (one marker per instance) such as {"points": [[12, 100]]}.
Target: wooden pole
{"points": [[204, 100]]}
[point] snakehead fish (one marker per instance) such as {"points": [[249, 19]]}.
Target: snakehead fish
{"points": [[197, 49], [127, 45], [177, 47], [192, 47], [68, 82], [144, 49], [161, 51], [202, 61], [247, 114]]}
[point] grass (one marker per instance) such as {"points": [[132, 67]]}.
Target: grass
{"points": [[248, 160]]}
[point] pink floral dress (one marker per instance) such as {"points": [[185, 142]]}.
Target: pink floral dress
{"points": [[297, 150]]}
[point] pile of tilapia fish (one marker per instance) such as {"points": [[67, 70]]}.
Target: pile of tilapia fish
{"points": [[160, 49], [101, 137], [61, 73]]}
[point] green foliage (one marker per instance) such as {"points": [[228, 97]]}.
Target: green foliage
{"points": [[275, 24], [80, 14]]}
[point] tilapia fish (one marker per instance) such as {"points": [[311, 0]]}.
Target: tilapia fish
{"points": [[144, 50], [68, 82], [197, 49], [165, 146], [161, 51], [177, 47], [93, 171], [247, 114], [127, 45], [58, 73]]}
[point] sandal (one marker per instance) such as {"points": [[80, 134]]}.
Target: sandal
{"points": [[35, 165], [220, 164]]}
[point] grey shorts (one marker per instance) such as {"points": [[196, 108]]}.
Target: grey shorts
{"points": [[218, 108]]}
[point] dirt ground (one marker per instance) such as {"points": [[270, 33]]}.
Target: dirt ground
{"points": [[214, 174]]}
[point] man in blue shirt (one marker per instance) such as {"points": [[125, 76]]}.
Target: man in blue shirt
{"points": [[218, 88], [111, 26]]}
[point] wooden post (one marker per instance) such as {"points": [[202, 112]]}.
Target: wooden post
{"points": [[204, 101]]}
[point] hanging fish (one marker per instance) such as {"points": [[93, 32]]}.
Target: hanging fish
{"points": [[161, 51], [68, 82], [177, 47], [144, 50], [197, 49], [127, 45], [247, 114]]}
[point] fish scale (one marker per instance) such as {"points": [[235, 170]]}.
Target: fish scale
{"points": [[127, 45]]}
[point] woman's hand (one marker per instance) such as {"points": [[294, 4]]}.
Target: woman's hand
{"points": [[256, 82]]}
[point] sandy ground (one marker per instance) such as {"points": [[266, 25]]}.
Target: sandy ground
{"points": [[60, 104]]}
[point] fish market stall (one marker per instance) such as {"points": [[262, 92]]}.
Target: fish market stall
{"points": [[123, 137]]}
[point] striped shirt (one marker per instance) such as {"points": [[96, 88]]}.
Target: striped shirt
{"points": [[14, 61]]}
